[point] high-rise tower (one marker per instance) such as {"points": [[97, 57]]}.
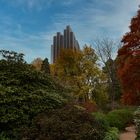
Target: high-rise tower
{"points": [[66, 41]]}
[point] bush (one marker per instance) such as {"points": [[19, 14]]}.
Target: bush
{"points": [[24, 93], [112, 134], [137, 122], [67, 123], [3, 136], [120, 118], [102, 119]]}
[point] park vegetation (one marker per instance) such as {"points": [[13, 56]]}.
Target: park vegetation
{"points": [[87, 94]]}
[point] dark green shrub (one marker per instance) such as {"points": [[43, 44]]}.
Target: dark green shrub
{"points": [[137, 122], [3, 136], [102, 119], [67, 123], [112, 134], [120, 118], [24, 93]]}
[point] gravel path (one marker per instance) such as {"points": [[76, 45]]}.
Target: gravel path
{"points": [[129, 134]]}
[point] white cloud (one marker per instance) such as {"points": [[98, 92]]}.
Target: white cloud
{"points": [[90, 21]]}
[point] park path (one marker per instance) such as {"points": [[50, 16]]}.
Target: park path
{"points": [[129, 134]]}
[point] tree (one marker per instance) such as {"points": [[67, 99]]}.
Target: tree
{"points": [[79, 71], [67, 67], [91, 75], [129, 63], [52, 70], [24, 92], [12, 56], [45, 66], [37, 64], [117, 89], [105, 50]]}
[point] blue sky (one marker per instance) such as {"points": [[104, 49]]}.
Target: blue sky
{"points": [[28, 26]]}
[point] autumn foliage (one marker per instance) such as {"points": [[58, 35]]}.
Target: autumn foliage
{"points": [[80, 72], [129, 63]]}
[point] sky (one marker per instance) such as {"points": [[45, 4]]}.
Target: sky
{"points": [[28, 26]]}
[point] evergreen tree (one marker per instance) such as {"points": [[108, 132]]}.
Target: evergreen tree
{"points": [[45, 67]]}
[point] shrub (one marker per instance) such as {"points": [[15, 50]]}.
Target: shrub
{"points": [[24, 93], [3, 136], [90, 106], [102, 119], [120, 118], [67, 123], [137, 122], [112, 134]]}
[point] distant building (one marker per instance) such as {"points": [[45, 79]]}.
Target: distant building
{"points": [[66, 41]]}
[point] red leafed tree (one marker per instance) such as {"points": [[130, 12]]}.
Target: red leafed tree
{"points": [[129, 63]]}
